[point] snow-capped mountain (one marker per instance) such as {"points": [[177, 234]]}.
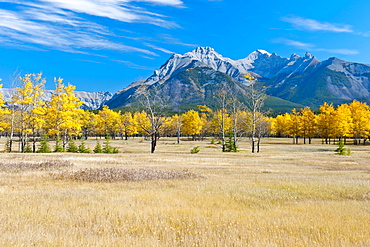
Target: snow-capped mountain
{"points": [[304, 80], [259, 63], [91, 100]]}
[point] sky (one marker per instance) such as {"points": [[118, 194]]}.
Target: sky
{"points": [[104, 45]]}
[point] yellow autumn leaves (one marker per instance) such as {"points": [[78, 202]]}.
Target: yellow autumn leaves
{"points": [[345, 121]]}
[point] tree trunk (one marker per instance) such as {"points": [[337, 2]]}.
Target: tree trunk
{"points": [[154, 142], [178, 137]]}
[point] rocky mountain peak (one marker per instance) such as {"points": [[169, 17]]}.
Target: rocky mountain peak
{"points": [[308, 55]]}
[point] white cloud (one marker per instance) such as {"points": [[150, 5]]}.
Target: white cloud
{"points": [[314, 25], [20, 31], [340, 51], [115, 9], [295, 43], [158, 48], [312, 47], [63, 24]]}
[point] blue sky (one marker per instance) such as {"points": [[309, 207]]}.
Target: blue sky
{"points": [[104, 45]]}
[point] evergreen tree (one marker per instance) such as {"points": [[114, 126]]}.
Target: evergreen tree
{"points": [[230, 145], [72, 146], [82, 148], [27, 148], [44, 146], [58, 148], [341, 150], [98, 149]]}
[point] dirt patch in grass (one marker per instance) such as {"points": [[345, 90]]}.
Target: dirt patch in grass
{"points": [[117, 175], [39, 166]]}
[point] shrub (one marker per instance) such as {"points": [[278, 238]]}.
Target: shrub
{"points": [[108, 149], [230, 145], [58, 148], [98, 149], [195, 150], [44, 146], [82, 148], [27, 148], [341, 150], [7, 146], [72, 146]]}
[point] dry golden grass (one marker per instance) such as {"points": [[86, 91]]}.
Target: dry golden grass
{"points": [[287, 195]]}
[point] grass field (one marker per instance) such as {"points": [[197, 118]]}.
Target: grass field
{"points": [[287, 195]]}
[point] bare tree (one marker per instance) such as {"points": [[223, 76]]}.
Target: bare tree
{"points": [[255, 102], [222, 103], [153, 107]]}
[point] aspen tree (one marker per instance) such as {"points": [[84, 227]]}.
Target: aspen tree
{"points": [[3, 111], [128, 124], [360, 120], [308, 124], [28, 103], [63, 116], [326, 122], [255, 102], [107, 121], [294, 125], [192, 124], [343, 122]]}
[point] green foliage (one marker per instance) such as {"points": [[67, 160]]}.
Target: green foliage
{"points": [[72, 146], [27, 148], [98, 149], [213, 141], [108, 149], [195, 150], [230, 145], [341, 150], [7, 146], [82, 148], [44, 145], [58, 148]]}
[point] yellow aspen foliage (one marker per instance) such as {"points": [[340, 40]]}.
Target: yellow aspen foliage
{"points": [[343, 121], [143, 122], [326, 121], [28, 107], [308, 124], [294, 127], [280, 125], [249, 77], [107, 121], [244, 121], [88, 122], [204, 108], [192, 124], [360, 120], [221, 122], [169, 126], [3, 111], [63, 116], [128, 124]]}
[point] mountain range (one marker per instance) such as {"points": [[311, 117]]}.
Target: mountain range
{"points": [[191, 78]]}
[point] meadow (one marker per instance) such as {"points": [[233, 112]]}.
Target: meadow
{"points": [[286, 195]]}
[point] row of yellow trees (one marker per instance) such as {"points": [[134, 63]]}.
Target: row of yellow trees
{"points": [[27, 117], [345, 121]]}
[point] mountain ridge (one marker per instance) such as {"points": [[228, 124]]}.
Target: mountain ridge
{"points": [[302, 80]]}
